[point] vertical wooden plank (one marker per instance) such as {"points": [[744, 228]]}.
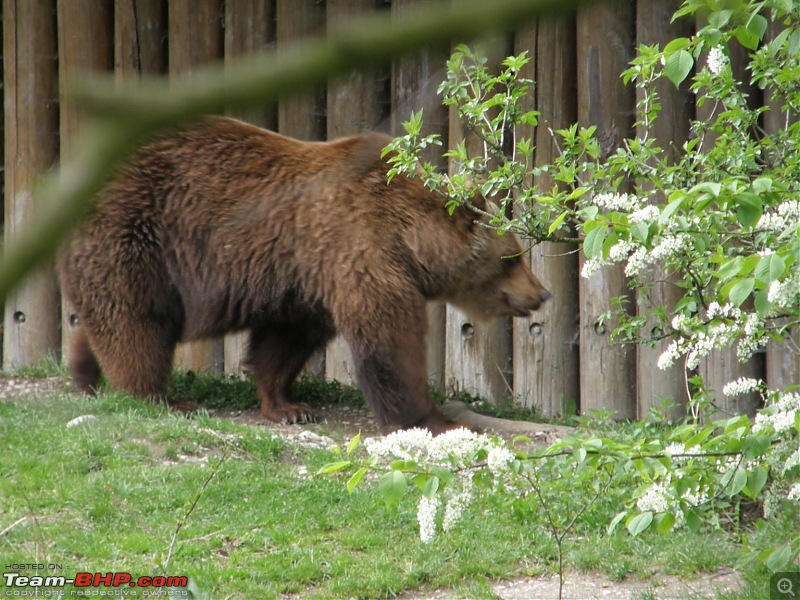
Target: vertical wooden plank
{"points": [[478, 355], [414, 84], [671, 130], [195, 38], [249, 27], [545, 345], [605, 38], [783, 360], [301, 116], [354, 106], [722, 366], [31, 149], [140, 36], [84, 44]]}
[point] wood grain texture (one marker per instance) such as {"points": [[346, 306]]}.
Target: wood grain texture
{"points": [[671, 130], [605, 38], [783, 360], [140, 38], [545, 345], [32, 319], [84, 45], [478, 356], [300, 116]]}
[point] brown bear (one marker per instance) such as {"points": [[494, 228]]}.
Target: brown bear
{"points": [[221, 226]]}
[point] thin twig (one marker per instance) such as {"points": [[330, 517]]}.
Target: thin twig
{"points": [[14, 524], [185, 517]]}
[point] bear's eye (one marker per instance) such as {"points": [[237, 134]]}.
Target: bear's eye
{"points": [[512, 261]]}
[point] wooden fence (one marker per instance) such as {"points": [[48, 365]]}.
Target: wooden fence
{"points": [[558, 360]]}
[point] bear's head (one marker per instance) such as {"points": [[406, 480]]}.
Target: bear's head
{"points": [[497, 280]]}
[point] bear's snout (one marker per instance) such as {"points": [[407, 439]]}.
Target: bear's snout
{"points": [[522, 305]]}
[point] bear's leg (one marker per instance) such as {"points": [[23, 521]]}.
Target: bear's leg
{"points": [[136, 355], [276, 357], [391, 368], [83, 363]]}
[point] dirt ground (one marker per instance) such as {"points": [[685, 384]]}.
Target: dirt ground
{"points": [[336, 424]]}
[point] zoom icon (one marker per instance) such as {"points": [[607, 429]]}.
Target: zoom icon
{"points": [[785, 586]]}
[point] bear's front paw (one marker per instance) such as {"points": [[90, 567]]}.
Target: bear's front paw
{"points": [[288, 413]]}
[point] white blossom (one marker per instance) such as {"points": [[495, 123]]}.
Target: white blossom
{"points": [[743, 385], [670, 355], [637, 262], [426, 516], [457, 444], [619, 251], [648, 214], [771, 222], [669, 246], [592, 265], [499, 459], [789, 209], [455, 506], [619, 202], [716, 60], [794, 492], [655, 499], [405, 444], [780, 414]]}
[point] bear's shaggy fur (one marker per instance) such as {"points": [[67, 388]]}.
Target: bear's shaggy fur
{"points": [[222, 226]]}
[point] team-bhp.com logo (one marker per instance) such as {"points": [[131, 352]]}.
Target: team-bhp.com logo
{"points": [[94, 580]]}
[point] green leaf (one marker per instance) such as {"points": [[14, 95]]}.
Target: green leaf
{"points": [[737, 482], [741, 291], [678, 66], [593, 243], [762, 184], [391, 486], [762, 302], [638, 523], [557, 222], [780, 558], [757, 25], [640, 231], [353, 443], [670, 209], [616, 520], [746, 38], [749, 208], [676, 44], [770, 268], [431, 487], [665, 523], [334, 467], [693, 520], [356, 479], [755, 482]]}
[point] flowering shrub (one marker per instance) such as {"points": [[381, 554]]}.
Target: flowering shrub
{"points": [[722, 219]]}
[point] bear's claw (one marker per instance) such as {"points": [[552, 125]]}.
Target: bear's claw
{"points": [[288, 413]]}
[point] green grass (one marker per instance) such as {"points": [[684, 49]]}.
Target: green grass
{"points": [[109, 494]]}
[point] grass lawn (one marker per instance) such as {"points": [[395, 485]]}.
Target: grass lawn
{"points": [[110, 493]]}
